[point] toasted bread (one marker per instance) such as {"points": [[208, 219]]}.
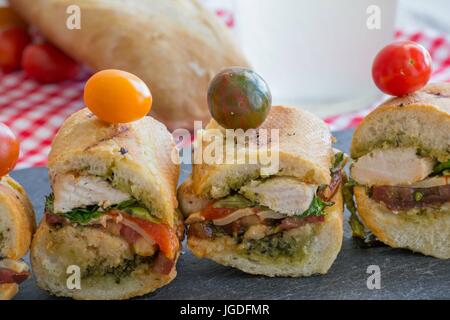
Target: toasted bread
{"points": [[427, 233], [139, 156]]}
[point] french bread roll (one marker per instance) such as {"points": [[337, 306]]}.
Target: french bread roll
{"points": [[419, 121], [309, 246], [175, 46], [113, 211]]}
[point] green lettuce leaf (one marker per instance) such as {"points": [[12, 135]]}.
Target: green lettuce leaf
{"points": [[316, 208], [441, 167], [89, 213]]}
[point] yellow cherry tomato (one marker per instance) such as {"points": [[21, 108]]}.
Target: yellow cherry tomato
{"points": [[117, 96]]}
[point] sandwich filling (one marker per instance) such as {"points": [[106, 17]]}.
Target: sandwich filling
{"points": [[88, 202], [403, 180], [261, 214], [12, 271]]}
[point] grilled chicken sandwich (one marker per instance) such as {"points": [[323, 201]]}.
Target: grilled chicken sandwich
{"points": [[288, 223], [113, 210], [401, 168], [17, 224]]}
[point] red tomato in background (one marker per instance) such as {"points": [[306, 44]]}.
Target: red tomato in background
{"points": [[46, 63], [401, 68], [12, 44], [9, 149]]}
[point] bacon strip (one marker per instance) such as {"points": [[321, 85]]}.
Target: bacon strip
{"points": [[293, 222], [10, 276]]}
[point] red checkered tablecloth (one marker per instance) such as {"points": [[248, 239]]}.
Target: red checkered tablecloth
{"points": [[35, 112]]}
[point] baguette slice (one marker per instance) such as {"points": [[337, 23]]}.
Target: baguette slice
{"points": [[138, 156], [428, 233], [319, 243], [304, 152], [421, 120], [175, 46], [9, 290], [17, 221]]}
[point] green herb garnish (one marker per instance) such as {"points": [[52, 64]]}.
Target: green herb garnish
{"points": [[316, 208], [441, 167]]}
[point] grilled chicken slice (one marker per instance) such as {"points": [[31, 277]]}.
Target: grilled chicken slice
{"points": [[79, 191], [285, 195], [399, 166]]}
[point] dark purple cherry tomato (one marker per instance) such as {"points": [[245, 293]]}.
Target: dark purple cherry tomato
{"points": [[239, 98]]}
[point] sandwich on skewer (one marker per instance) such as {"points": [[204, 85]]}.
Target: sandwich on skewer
{"points": [[286, 222], [401, 171], [113, 211]]}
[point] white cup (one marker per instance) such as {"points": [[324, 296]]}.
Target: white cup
{"points": [[316, 54]]}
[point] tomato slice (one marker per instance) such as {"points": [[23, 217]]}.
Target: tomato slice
{"points": [[160, 233], [211, 213]]}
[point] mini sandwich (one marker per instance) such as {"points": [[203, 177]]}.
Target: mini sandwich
{"points": [[284, 223], [113, 211], [17, 224], [401, 169]]}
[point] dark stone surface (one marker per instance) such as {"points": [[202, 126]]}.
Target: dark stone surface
{"points": [[404, 275]]}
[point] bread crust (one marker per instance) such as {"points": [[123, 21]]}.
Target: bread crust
{"points": [[176, 47], [8, 291], [16, 209], [429, 234], [421, 119], [141, 153], [304, 152], [320, 251], [104, 288]]}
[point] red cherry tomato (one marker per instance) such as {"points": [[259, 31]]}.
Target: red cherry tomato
{"points": [[46, 63], [9, 149], [401, 68], [12, 44]]}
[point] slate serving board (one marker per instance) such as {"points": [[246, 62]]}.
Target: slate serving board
{"points": [[404, 275]]}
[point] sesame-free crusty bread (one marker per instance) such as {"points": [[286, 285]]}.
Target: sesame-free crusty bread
{"points": [[53, 251], [428, 233], [321, 248], [304, 152], [421, 120], [175, 46], [139, 157], [8, 291], [17, 220]]}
